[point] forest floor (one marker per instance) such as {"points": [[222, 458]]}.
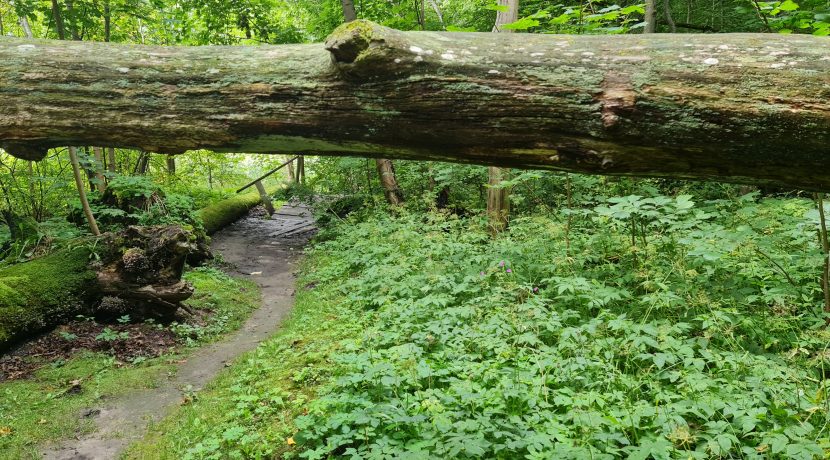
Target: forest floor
{"points": [[263, 250]]}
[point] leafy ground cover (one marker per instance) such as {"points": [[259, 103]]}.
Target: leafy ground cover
{"points": [[80, 369], [630, 327]]}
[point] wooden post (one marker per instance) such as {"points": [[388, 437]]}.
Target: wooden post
{"points": [[266, 200]]}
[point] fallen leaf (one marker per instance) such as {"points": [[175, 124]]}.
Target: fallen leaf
{"points": [[290, 441], [5, 431]]}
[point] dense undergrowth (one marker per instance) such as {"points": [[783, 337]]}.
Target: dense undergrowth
{"points": [[629, 328]]}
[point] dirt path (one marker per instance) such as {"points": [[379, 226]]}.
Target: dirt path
{"points": [[264, 250]]}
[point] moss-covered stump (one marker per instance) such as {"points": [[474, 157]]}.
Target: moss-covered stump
{"points": [[136, 271]]}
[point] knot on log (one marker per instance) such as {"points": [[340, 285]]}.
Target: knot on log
{"points": [[365, 50], [349, 40]]}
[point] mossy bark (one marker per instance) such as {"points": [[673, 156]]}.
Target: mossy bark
{"points": [[44, 292], [740, 107], [136, 271], [223, 213]]}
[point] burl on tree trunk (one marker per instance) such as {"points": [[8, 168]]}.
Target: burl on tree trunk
{"points": [[738, 107], [136, 271]]}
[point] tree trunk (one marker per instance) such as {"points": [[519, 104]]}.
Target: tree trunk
{"points": [[58, 17], [650, 17], [498, 197], [100, 180], [498, 206], [27, 29], [264, 198], [137, 271], [349, 13], [107, 20], [299, 176], [79, 183], [171, 165], [386, 174], [111, 166], [291, 176], [679, 106]]}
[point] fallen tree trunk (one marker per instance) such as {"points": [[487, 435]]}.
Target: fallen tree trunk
{"points": [[136, 271], [738, 107], [225, 212]]}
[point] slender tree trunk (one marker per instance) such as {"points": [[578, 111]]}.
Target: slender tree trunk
{"points": [[111, 166], [107, 20], [300, 173], [498, 197], [27, 29], [265, 198], [56, 14], [171, 165], [349, 12], [143, 163], [100, 180], [79, 183], [291, 175], [650, 17], [825, 247], [386, 174]]}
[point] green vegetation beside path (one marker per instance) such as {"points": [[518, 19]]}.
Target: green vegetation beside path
{"points": [[418, 336]]}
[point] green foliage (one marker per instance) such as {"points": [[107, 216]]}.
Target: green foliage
{"points": [[498, 350], [704, 338]]}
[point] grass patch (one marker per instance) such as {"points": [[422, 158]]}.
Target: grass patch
{"points": [[250, 408], [48, 407]]}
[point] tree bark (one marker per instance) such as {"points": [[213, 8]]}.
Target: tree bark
{"points": [[687, 106], [58, 17], [349, 13], [265, 199], [650, 17], [111, 166], [386, 174], [136, 271], [171, 165], [27, 29], [79, 183], [100, 180]]}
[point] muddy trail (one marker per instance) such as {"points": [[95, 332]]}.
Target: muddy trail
{"points": [[267, 252]]}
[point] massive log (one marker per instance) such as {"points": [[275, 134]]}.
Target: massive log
{"points": [[739, 107]]}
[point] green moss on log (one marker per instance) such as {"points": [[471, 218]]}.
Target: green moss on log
{"points": [[223, 213], [41, 293]]}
